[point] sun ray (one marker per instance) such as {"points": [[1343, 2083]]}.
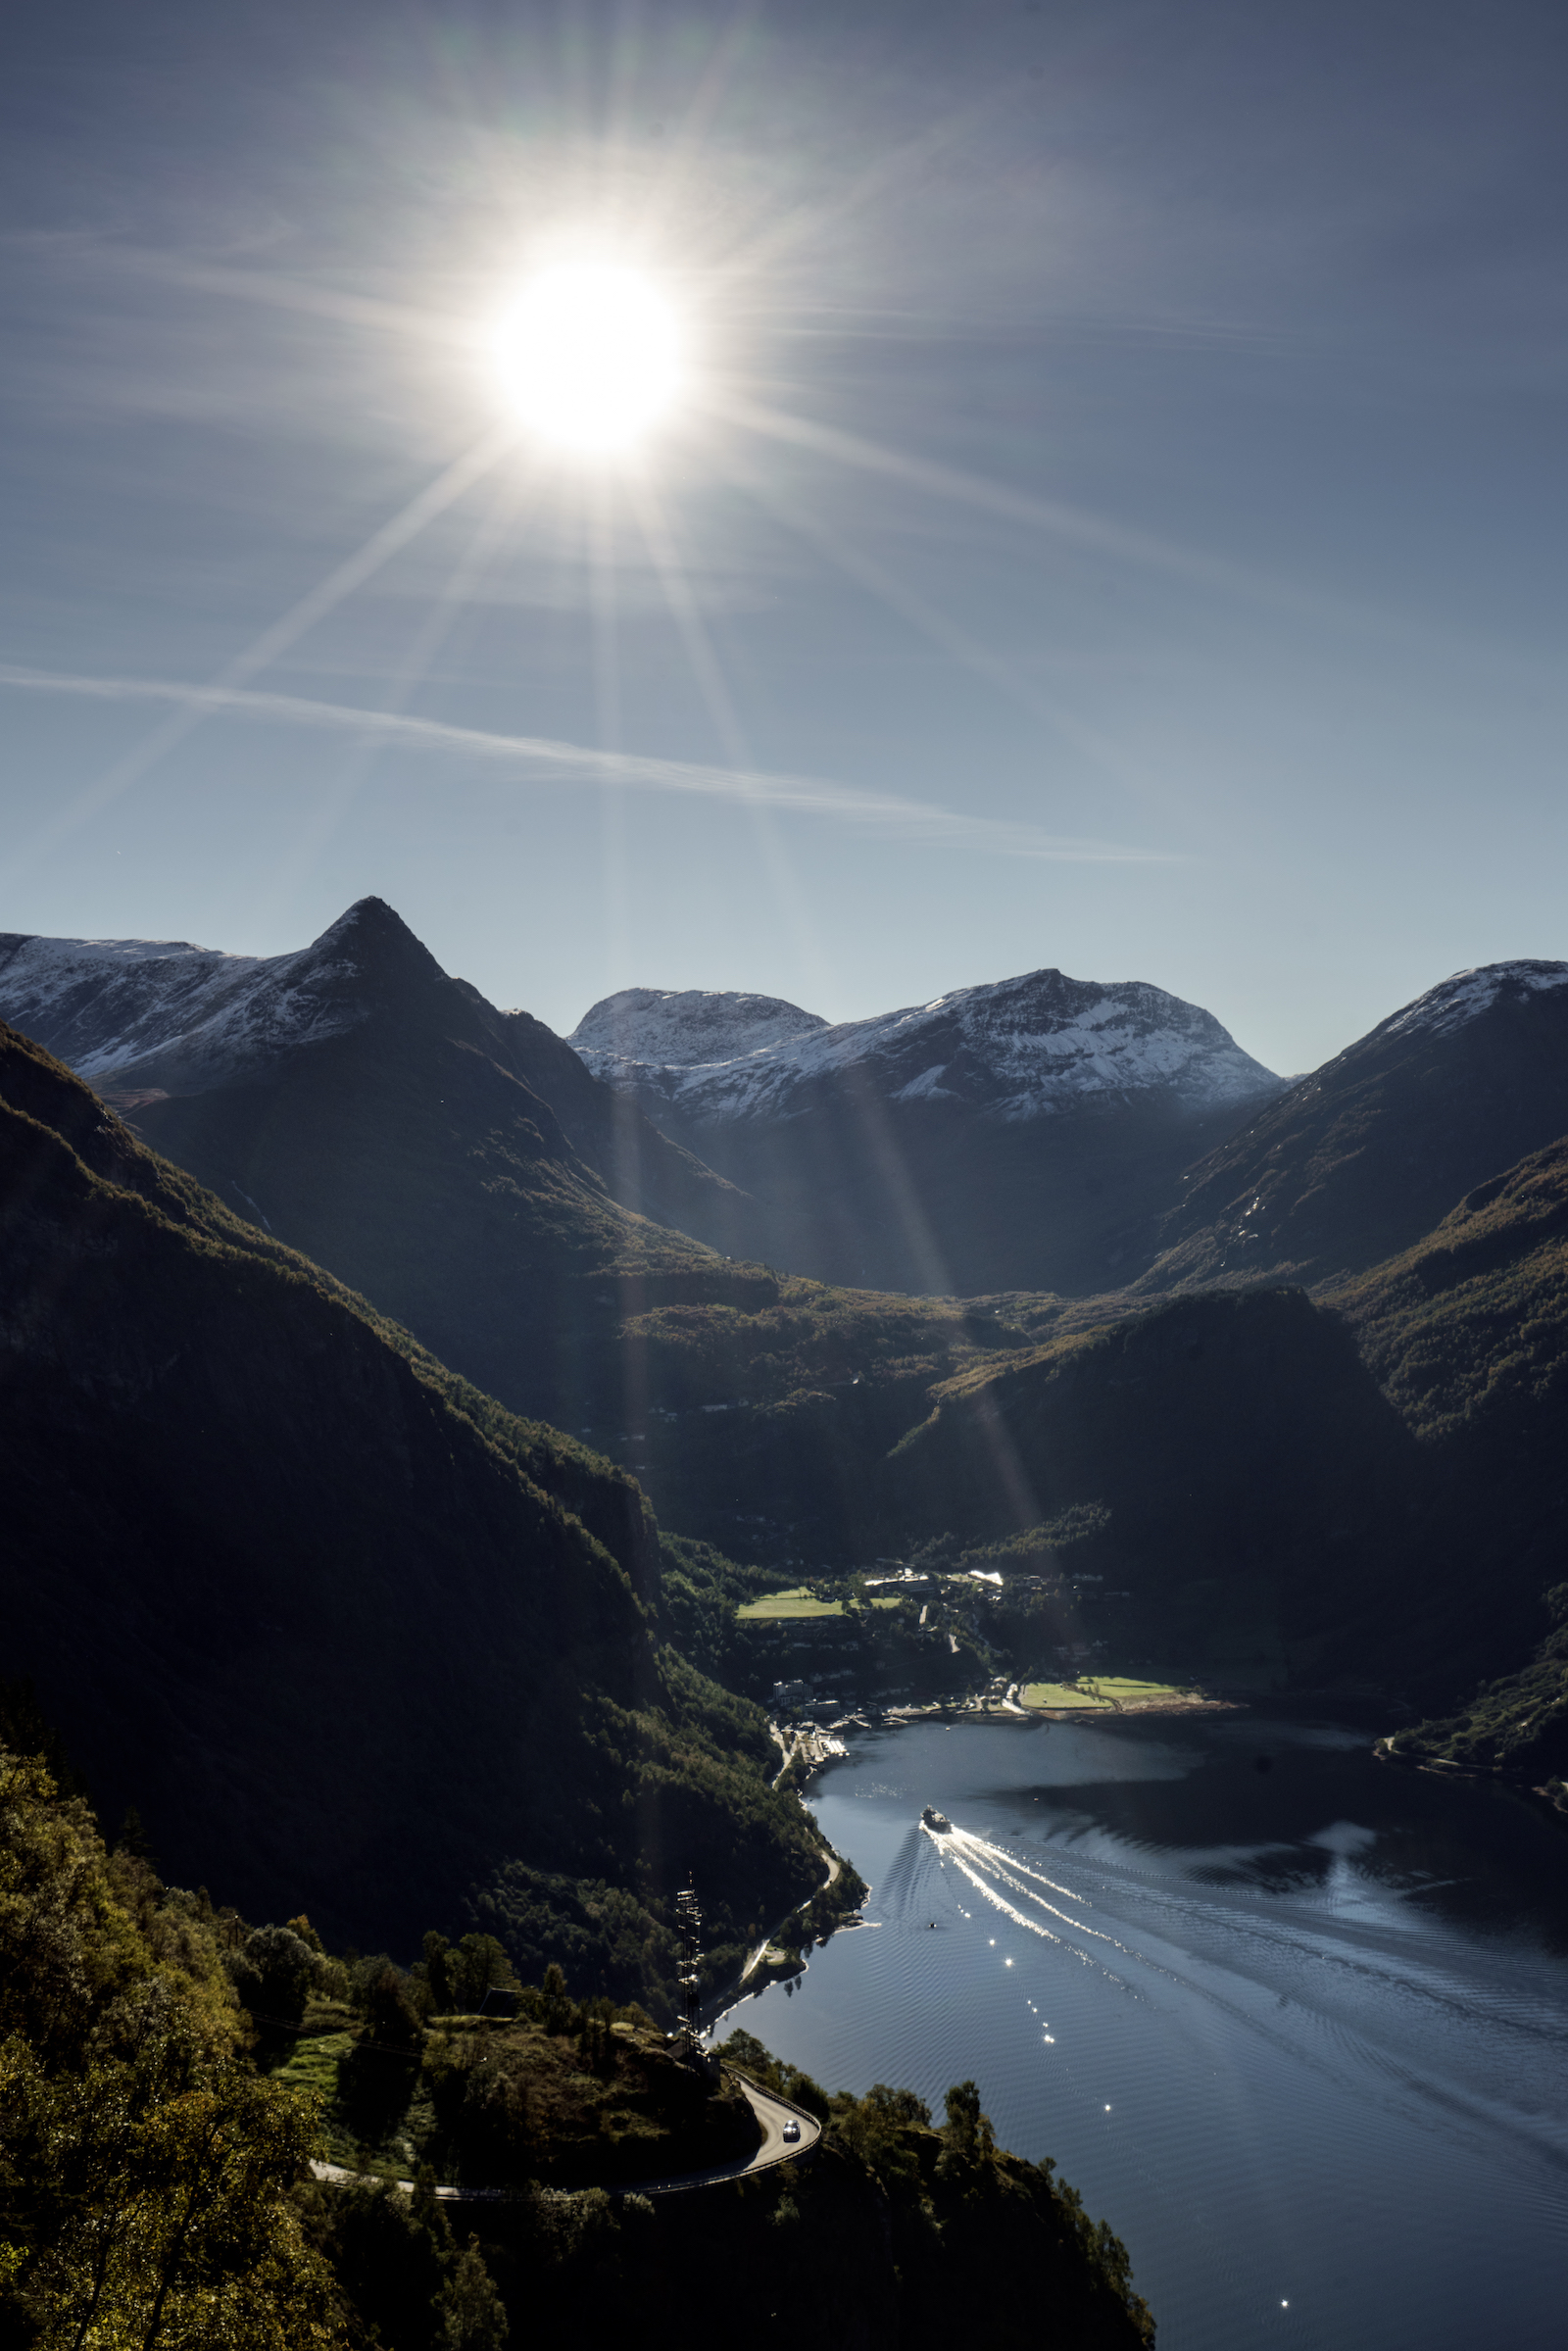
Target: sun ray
{"points": [[185, 716], [873, 1124], [701, 108], [674, 582], [608, 714], [712, 686], [435, 627], [1073, 525], [879, 178], [947, 635], [273, 289]]}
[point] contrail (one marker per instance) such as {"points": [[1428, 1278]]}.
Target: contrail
{"points": [[885, 812]]}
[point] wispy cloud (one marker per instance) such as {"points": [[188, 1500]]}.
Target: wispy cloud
{"points": [[539, 758]]}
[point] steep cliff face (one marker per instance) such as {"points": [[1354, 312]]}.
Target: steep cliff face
{"points": [[337, 1625]]}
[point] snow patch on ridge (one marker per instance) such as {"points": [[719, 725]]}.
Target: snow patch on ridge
{"points": [[1011, 1050], [927, 1086], [169, 1013], [684, 1026], [1463, 998]]}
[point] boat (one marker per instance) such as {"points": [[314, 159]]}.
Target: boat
{"points": [[937, 1822]]}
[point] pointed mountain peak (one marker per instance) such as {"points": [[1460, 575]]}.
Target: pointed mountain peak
{"points": [[373, 939]]}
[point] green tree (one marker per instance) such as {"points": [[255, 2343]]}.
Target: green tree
{"points": [[274, 1971], [471, 2310], [145, 2171], [479, 1964], [438, 1971], [391, 2019], [969, 2131]]}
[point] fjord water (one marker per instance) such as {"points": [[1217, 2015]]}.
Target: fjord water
{"points": [[1295, 2023]]}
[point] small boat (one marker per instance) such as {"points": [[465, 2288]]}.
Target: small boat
{"points": [[937, 1822]]}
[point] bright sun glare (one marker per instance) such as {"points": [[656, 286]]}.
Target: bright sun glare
{"points": [[591, 356]]}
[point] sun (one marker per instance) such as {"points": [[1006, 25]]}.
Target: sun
{"points": [[591, 356]]}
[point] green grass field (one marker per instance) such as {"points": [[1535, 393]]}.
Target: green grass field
{"points": [[1107, 1691], [312, 2064], [788, 1603], [778, 1605]]}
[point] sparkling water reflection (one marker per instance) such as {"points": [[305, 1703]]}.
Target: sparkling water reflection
{"points": [[1297, 2025]]}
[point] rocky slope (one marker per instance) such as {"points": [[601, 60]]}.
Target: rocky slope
{"points": [[1359, 1159], [1021, 1135]]}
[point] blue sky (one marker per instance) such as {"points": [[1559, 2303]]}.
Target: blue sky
{"points": [[1122, 524]]}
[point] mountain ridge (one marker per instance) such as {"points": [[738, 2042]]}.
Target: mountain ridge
{"points": [[1020, 1134], [1361, 1158], [455, 1165], [170, 1016], [1014, 1049]]}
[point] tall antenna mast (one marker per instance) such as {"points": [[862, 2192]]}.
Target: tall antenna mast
{"points": [[689, 1920]]}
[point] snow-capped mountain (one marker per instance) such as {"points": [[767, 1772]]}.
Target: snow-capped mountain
{"points": [[1010, 1051], [1023, 1134], [683, 1027], [162, 1014], [454, 1163], [1468, 994]]}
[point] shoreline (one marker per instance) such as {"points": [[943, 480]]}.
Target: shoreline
{"points": [[827, 1738], [1114, 1710]]}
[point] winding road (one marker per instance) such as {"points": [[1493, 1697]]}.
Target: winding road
{"points": [[772, 2114]]}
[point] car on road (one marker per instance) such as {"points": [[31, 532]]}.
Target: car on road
{"points": [[792, 2131]]}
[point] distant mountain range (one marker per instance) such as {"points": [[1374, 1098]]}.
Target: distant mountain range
{"points": [[1364, 1480], [1022, 1134], [1019, 1050], [512, 1196]]}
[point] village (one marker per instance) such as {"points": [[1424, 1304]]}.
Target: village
{"points": [[893, 1646]]}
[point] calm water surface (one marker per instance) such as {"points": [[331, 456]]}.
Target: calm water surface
{"points": [[1295, 2024]]}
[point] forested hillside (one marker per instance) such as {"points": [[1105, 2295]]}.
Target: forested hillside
{"points": [[168, 2072], [350, 1636], [1231, 1456], [1359, 1487], [1468, 1335]]}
